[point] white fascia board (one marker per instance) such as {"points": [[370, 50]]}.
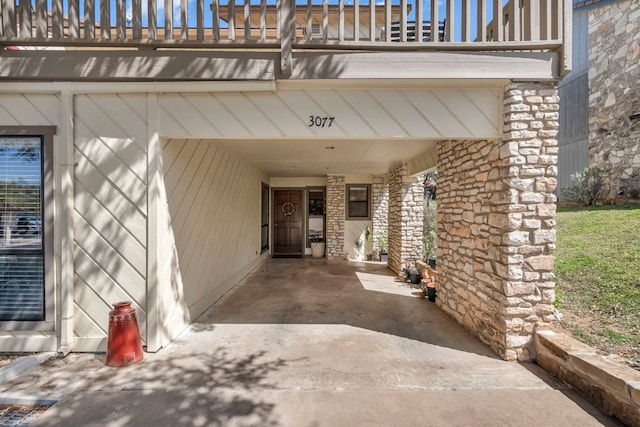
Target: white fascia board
{"points": [[138, 87]]}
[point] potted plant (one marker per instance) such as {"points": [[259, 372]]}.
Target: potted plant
{"points": [[317, 246], [368, 246], [382, 247]]}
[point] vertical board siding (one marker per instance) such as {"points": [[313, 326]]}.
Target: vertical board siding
{"points": [[379, 113], [213, 202], [110, 209], [573, 136]]}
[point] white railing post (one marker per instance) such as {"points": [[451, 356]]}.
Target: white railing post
{"points": [[451, 25], [168, 20], [435, 22], [356, 20], [387, 20], [153, 20], [25, 18], [287, 31], [121, 16], [215, 18], [372, 20], [340, 20], [498, 21], [482, 21], [247, 19], [418, 26], [567, 41], [8, 18], [105, 19], [136, 16], [200, 19], [42, 24], [89, 20], [57, 26], [466, 20]]}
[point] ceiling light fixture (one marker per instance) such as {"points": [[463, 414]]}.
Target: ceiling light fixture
{"points": [[329, 147]]}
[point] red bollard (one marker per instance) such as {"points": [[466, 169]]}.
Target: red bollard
{"points": [[124, 346]]}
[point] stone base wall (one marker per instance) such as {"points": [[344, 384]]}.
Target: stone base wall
{"points": [[406, 211], [614, 95], [380, 212], [496, 234], [335, 216]]}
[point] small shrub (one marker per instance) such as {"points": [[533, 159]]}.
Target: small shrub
{"points": [[429, 237], [589, 186]]}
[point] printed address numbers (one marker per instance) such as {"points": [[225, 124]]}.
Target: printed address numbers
{"points": [[321, 121]]}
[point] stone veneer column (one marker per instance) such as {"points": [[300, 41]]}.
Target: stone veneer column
{"points": [[496, 224], [406, 212], [335, 216], [380, 211]]}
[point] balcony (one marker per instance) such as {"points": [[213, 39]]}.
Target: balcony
{"points": [[285, 27]]}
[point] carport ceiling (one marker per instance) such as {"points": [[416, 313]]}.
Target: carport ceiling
{"points": [[312, 157]]}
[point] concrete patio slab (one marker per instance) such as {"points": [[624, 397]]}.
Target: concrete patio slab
{"points": [[310, 343]]}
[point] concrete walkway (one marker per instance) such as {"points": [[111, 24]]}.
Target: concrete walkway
{"points": [[310, 343]]}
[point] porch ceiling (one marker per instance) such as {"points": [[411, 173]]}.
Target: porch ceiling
{"points": [[313, 157]]}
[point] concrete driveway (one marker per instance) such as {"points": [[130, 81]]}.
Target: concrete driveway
{"points": [[311, 343]]}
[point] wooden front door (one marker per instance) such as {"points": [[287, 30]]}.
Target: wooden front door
{"points": [[288, 234]]}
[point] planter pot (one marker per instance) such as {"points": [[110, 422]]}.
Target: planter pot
{"points": [[432, 262], [431, 292], [317, 249], [384, 257], [415, 277]]}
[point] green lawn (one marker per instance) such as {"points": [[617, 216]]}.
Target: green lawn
{"points": [[598, 277]]}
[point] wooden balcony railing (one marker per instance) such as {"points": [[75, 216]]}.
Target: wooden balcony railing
{"points": [[285, 25]]}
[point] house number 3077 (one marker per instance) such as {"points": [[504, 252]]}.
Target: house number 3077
{"points": [[321, 121]]}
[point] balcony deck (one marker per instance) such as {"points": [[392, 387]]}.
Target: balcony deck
{"points": [[293, 34]]}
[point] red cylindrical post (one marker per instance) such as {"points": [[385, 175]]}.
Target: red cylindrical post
{"points": [[124, 346]]}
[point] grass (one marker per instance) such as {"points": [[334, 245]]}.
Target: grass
{"points": [[598, 277]]}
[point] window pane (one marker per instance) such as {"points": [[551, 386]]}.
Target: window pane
{"points": [[21, 288], [358, 194], [21, 238], [358, 209]]}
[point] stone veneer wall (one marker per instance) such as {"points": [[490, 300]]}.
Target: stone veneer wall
{"points": [[614, 93], [496, 224], [335, 216], [406, 212], [380, 211]]}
